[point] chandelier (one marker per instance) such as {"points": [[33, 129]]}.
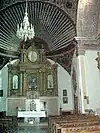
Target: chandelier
{"points": [[25, 30]]}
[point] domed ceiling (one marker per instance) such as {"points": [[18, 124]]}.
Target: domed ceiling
{"points": [[51, 23]]}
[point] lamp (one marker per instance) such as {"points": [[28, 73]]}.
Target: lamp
{"points": [[25, 30]]}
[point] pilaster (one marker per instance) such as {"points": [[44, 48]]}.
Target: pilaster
{"points": [[83, 44], [25, 84], [44, 86], [9, 83]]}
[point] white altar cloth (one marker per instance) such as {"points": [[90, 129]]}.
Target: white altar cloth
{"points": [[31, 114]]}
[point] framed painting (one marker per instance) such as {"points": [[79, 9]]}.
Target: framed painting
{"points": [[64, 92], [65, 100]]}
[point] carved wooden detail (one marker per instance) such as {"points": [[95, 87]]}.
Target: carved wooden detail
{"points": [[34, 77], [32, 94]]}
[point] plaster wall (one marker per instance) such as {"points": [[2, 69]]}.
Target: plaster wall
{"points": [[92, 80], [64, 82], [4, 85], [12, 104]]}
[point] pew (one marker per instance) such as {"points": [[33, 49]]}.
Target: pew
{"points": [[74, 124], [8, 123]]}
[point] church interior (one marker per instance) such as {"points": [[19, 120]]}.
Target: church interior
{"points": [[49, 66]]}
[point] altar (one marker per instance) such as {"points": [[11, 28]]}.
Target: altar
{"points": [[31, 114], [32, 86]]}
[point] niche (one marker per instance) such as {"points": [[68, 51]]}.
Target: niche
{"points": [[50, 81], [15, 82]]}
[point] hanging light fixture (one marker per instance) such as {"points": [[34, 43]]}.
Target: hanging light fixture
{"points": [[25, 30]]}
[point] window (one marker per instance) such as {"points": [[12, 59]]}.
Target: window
{"points": [[15, 82]]}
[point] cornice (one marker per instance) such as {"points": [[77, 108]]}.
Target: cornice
{"points": [[87, 43]]}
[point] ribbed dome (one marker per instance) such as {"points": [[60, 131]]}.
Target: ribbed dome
{"points": [[51, 24]]}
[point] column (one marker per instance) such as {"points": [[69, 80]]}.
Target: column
{"points": [[41, 80], [44, 86], [81, 76], [21, 84], [55, 85]]}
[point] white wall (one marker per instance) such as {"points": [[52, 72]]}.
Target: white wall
{"points": [[92, 80], [64, 82], [4, 76]]}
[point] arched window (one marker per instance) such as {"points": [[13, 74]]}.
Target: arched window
{"points": [[15, 82], [50, 81]]}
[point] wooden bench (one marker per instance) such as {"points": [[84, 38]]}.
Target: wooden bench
{"points": [[64, 124], [8, 123]]}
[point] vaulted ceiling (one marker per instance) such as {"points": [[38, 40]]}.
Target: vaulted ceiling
{"points": [[53, 23]]}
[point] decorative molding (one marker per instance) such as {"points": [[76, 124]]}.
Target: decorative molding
{"points": [[32, 94], [86, 44], [91, 46]]}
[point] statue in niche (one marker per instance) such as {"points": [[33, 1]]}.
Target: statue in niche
{"points": [[50, 81], [32, 83], [15, 82]]}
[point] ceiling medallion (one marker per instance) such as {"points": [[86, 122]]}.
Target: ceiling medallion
{"points": [[25, 30]]}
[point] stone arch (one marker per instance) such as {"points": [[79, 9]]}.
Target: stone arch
{"points": [[87, 18]]}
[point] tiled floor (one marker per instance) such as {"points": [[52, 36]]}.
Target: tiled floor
{"points": [[32, 130], [29, 128]]}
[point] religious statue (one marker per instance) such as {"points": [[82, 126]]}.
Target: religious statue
{"points": [[33, 83]]}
